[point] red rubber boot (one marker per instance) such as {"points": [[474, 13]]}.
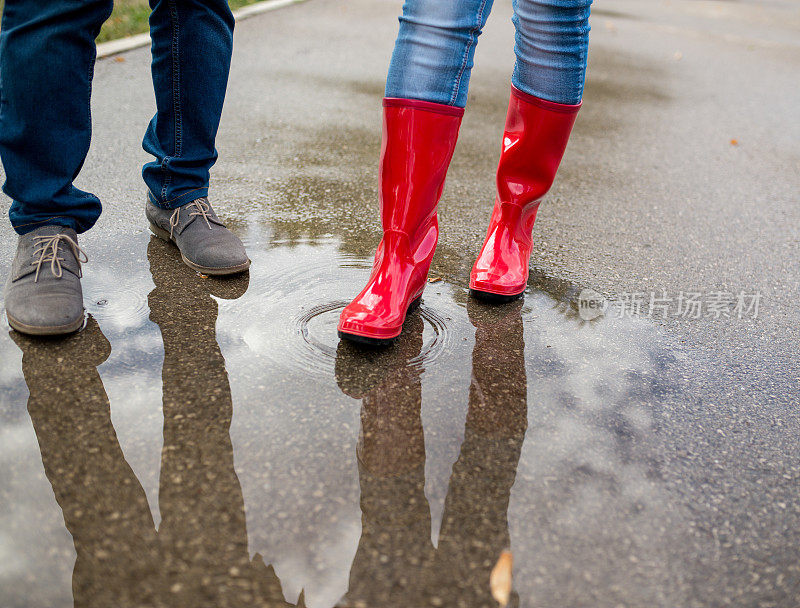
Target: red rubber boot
{"points": [[418, 142], [535, 137]]}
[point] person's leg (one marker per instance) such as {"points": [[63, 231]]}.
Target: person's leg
{"points": [[47, 55], [547, 85], [426, 91], [192, 46], [435, 48], [192, 42], [552, 44]]}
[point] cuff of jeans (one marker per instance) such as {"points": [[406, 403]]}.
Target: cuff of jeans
{"points": [[545, 104], [180, 200], [56, 220]]}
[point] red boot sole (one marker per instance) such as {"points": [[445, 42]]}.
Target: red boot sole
{"points": [[494, 298]]}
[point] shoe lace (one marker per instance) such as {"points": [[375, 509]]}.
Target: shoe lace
{"points": [[196, 208], [47, 250]]}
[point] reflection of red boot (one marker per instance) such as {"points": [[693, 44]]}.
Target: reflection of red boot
{"points": [[534, 140], [418, 142]]}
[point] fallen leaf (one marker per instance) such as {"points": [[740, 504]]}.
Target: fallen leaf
{"points": [[202, 276], [734, 142], [119, 59], [500, 578], [434, 279]]}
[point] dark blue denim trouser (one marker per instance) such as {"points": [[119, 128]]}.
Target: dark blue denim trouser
{"points": [[47, 55]]}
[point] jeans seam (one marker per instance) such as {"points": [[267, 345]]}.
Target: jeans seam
{"points": [[176, 97], [88, 115], [584, 59], [44, 221], [465, 59]]}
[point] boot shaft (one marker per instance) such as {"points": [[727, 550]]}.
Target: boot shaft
{"points": [[534, 139], [418, 142]]}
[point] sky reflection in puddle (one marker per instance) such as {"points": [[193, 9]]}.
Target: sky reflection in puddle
{"points": [[249, 457]]}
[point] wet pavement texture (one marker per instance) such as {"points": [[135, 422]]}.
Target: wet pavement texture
{"points": [[207, 442]]}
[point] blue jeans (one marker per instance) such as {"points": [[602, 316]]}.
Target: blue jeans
{"points": [[47, 55], [434, 52]]}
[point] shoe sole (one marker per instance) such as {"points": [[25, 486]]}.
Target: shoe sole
{"points": [[367, 341], [494, 298], [164, 236], [37, 330]]}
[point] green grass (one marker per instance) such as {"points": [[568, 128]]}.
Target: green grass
{"points": [[130, 17]]}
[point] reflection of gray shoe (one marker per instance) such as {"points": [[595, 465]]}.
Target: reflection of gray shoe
{"points": [[62, 363], [43, 294], [206, 245]]}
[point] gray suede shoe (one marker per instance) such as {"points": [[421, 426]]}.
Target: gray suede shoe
{"points": [[43, 294], [206, 245]]}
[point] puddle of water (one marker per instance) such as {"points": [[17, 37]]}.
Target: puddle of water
{"points": [[318, 326], [212, 442]]}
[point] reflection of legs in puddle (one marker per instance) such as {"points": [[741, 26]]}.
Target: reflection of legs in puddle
{"points": [[105, 508], [395, 545], [203, 528], [395, 564], [199, 556], [475, 521]]}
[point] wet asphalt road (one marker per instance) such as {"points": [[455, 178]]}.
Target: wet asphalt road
{"points": [[210, 443]]}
